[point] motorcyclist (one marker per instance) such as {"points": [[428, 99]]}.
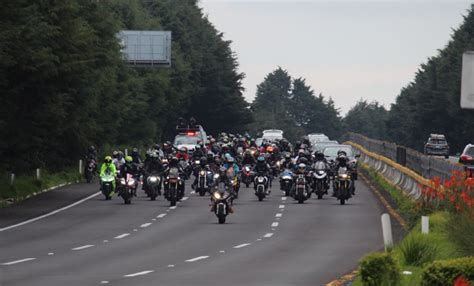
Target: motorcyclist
{"points": [[262, 169], [248, 158], [343, 162], [136, 157], [198, 152], [157, 149], [202, 166], [301, 169], [285, 146], [183, 154], [106, 167], [91, 153], [287, 162], [167, 148], [153, 166], [130, 168], [118, 159]]}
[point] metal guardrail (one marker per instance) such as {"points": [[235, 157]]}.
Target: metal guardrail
{"points": [[426, 166]]}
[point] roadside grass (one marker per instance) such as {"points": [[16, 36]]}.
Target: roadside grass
{"points": [[437, 239], [26, 185]]}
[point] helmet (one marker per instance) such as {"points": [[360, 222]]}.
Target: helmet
{"points": [[128, 159], [269, 149], [341, 153], [198, 147], [157, 147], [260, 159], [303, 160], [212, 140], [287, 155], [230, 159], [165, 145], [297, 143], [120, 155], [227, 156], [301, 167], [135, 151], [92, 148], [108, 160], [203, 161], [115, 154], [183, 149]]}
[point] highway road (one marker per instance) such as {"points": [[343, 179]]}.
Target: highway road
{"points": [[274, 242]]}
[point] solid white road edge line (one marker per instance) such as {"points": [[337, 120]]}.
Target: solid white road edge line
{"points": [[50, 213], [82, 247], [122, 236], [197, 258], [17, 261], [139, 273], [241, 245]]}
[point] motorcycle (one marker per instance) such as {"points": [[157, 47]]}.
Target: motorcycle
{"points": [[174, 188], [301, 192], [107, 184], [220, 205], [187, 169], [153, 189], [320, 179], [247, 175], [203, 182], [127, 188], [343, 185], [261, 183], [90, 170], [286, 182]]}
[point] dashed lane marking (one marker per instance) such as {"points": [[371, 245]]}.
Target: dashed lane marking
{"points": [[275, 224], [278, 215], [82, 247], [161, 216], [184, 198], [241, 245], [281, 206], [122, 236], [17, 261], [172, 208], [268, 235], [139, 273], [283, 198], [146, 225], [197, 258]]}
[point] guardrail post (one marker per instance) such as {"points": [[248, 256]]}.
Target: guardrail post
{"points": [[425, 224], [80, 167], [126, 152], [38, 174], [12, 179], [387, 232]]}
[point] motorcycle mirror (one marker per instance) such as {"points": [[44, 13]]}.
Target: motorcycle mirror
{"points": [[357, 156]]}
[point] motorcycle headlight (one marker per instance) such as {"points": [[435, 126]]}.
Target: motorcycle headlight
{"points": [[131, 182], [278, 163], [202, 173], [216, 195], [343, 176], [123, 182], [153, 179], [216, 176], [247, 169], [320, 172], [286, 178], [260, 179], [197, 162]]}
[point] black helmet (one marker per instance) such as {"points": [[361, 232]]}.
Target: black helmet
{"points": [[91, 148], [341, 153], [303, 160], [157, 147], [302, 167], [203, 161], [287, 155]]}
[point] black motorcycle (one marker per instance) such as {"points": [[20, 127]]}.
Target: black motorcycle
{"points": [[343, 185], [174, 187], [221, 205], [89, 172], [301, 193], [261, 184], [153, 189], [127, 188]]}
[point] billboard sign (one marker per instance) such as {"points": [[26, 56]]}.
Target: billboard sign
{"points": [[146, 48]]}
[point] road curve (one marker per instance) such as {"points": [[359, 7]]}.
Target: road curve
{"points": [[274, 242]]}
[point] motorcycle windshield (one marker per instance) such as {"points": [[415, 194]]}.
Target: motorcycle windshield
{"points": [[342, 171], [320, 166], [174, 173]]}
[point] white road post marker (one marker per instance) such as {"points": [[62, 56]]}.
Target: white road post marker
{"points": [[80, 167], [387, 232], [425, 224]]}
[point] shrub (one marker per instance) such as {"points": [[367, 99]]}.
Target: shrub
{"points": [[378, 269], [445, 272], [417, 249], [460, 230]]}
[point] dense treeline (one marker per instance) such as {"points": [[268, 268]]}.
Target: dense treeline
{"points": [[429, 104], [290, 104], [64, 86]]}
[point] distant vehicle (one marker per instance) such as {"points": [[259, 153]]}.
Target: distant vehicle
{"points": [[319, 146], [272, 134], [467, 156], [259, 141], [190, 137], [437, 145], [317, 137]]}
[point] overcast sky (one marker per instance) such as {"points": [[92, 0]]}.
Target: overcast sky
{"points": [[345, 49]]}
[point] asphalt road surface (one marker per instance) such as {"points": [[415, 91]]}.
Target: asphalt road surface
{"points": [[274, 242]]}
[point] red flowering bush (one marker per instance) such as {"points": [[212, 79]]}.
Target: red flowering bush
{"points": [[455, 195]]}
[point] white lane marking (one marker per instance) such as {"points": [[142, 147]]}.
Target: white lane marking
{"points": [[146, 224], [172, 208], [242, 245], [278, 215], [161, 216], [139, 273], [104, 282], [82, 247], [197, 258], [281, 206], [51, 213], [268, 235], [105, 241], [184, 198], [283, 199], [259, 239], [153, 219], [170, 266], [275, 224], [192, 192], [135, 229], [221, 251], [17, 261], [122, 236], [51, 253]]}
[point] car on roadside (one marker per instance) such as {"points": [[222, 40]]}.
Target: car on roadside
{"points": [[467, 156], [437, 145], [317, 137], [320, 145]]}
